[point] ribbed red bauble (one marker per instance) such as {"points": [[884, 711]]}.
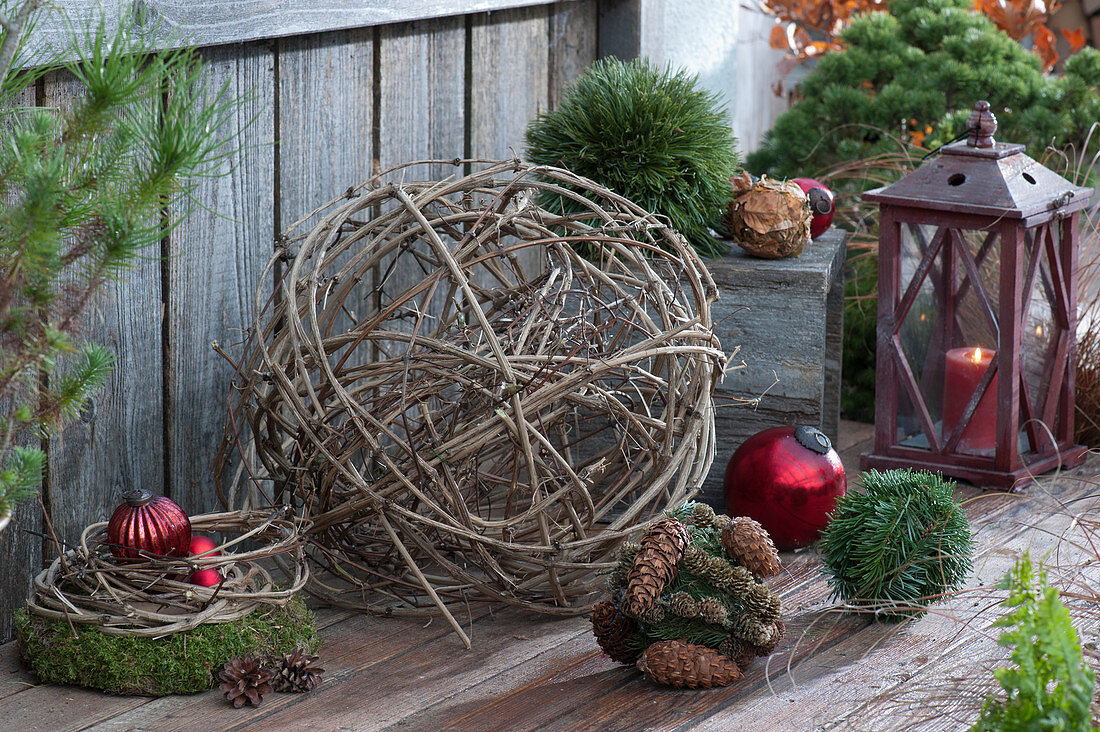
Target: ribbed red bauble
{"points": [[821, 202], [150, 524], [788, 479], [208, 577]]}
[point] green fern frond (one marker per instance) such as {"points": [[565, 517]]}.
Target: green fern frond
{"points": [[1050, 687]]}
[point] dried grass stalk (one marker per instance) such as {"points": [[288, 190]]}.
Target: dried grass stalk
{"points": [[465, 407], [151, 598]]}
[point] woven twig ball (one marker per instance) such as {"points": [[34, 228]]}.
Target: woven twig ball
{"points": [[465, 408]]}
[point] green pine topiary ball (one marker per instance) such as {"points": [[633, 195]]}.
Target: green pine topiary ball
{"points": [[653, 136], [898, 544]]}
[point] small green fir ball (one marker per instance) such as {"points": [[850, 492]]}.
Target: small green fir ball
{"points": [[653, 136], [898, 544]]}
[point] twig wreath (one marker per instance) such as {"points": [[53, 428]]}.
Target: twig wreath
{"points": [[150, 597], [465, 407]]}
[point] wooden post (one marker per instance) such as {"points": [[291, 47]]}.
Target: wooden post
{"points": [[1008, 348]]}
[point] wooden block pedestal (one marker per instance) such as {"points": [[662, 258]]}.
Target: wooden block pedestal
{"points": [[787, 317]]}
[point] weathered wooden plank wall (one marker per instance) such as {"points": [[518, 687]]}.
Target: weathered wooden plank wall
{"points": [[325, 110]]}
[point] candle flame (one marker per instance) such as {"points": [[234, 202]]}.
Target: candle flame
{"points": [[1039, 330], [976, 356]]}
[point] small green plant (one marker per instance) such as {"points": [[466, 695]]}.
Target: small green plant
{"points": [[1050, 687], [653, 136], [908, 78], [899, 543], [86, 188]]}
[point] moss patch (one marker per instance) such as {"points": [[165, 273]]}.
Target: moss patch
{"points": [[183, 663]]}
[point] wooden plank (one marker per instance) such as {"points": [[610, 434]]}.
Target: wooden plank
{"points": [[21, 542], [213, 266], [422, 86], [548, 689], [392, 690], [421, 115], [14, 677], [573, 35], [118, 441], [509, 83], [326, 105], [501, 104], [631, 28], [174, 23]]}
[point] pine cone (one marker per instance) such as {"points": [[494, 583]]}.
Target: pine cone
{"points": [[613, 631], [768, 648], [747, 543], [297, 672], [683, 605], [748, 627], [742, 653], [655, 565], [702, 515], [686, 666], [713, 610], [244, 682]]}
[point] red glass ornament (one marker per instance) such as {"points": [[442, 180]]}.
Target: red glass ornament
{"points": [[788, 479], [144, 523], [208, 577], [201, 544], [821, 202]]}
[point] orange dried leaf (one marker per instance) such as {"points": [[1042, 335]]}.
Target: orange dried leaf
{"points": [[1075, 37], [1044, 46], [778, 38]]}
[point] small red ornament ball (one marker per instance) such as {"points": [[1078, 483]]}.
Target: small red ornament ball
{"points": [[149, 524], [821, 202], [208, 577], [788, 479], [201, 544]]}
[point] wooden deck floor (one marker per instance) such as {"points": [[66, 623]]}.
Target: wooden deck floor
{"points": [[834, 671]]}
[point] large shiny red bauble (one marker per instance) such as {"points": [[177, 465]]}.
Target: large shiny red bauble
{"points": [[821, 202], [208, 577], [788, 479], [153, 525], [201, 544]]}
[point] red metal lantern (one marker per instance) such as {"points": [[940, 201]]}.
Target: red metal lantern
{"points": [[147, 524], [977, 314]]}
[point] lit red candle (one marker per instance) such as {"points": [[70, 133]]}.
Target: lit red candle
{"points": [[964, 369]]}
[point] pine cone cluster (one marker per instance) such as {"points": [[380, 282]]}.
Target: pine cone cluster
{"points": [[655, 564], [685, 665], [748, 543], [691, 595], [245, 680]]}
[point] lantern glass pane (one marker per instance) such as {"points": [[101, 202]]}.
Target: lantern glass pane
{"points": [[919, 334], [1042, 335]]}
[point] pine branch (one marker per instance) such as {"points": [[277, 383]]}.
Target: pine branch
{"points": [[21, 477]]}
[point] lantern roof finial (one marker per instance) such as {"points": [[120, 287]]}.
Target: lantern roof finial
{"points": [[981, 125]]}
